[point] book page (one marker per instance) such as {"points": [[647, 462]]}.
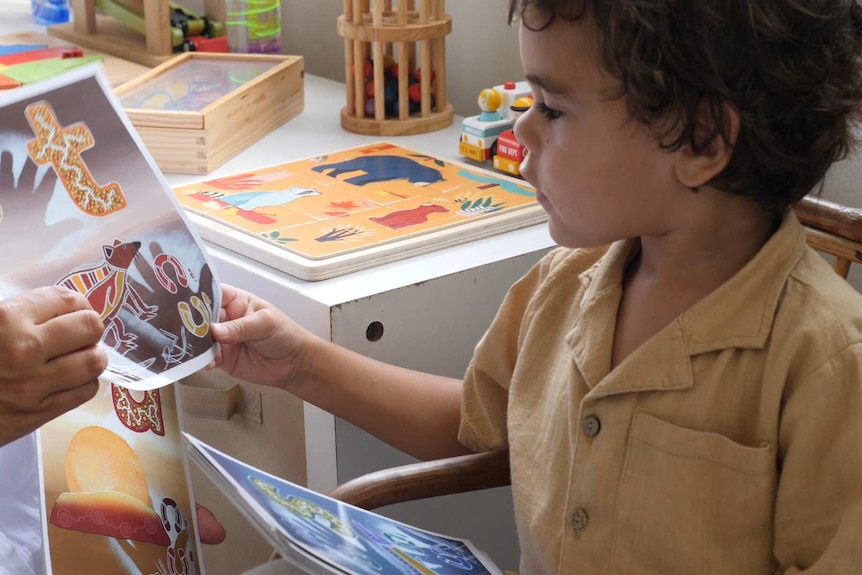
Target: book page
{"points": [[322, 535]]}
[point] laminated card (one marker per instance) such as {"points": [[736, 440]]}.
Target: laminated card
{"points": [[320, 535], [83, 205]]}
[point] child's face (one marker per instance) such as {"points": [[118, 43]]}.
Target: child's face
{"points": [[599, 175]]}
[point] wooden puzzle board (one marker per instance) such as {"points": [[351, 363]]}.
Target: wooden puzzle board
{"points": [[338, 213]]}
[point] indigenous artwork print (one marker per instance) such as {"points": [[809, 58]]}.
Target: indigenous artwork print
{"points": [[86, 209], [115, 489], [331, 206], [82, 205]]}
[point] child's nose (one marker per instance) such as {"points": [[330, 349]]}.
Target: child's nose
{"points": [[522, 128], [526, 135], [525, 131]]}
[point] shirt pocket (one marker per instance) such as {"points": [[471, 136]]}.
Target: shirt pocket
{"points": [[693, 502]]}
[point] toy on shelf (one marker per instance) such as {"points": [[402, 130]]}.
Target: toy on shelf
{"points": [[48, 12], [395, 66], [348, 210], [510, 153], [148, 32], [192, 32], [198, 110], [253, 26], [483, 135]]}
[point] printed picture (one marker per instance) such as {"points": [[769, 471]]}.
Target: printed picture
{"points": [[355, 207], [83, 207]]}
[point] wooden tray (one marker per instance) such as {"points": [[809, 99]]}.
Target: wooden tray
{"points": [[338, 213], [199, 109]]}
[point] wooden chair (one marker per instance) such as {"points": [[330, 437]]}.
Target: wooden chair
{"points": [[833, 229], [426, 479]]}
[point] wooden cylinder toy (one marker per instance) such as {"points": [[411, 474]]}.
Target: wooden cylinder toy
{"points": [[395, 66]]}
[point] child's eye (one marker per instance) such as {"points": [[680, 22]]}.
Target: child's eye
{"points": [[550, 113]]}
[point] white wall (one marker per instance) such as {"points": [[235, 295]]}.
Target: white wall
{"points": [[844, 182]]}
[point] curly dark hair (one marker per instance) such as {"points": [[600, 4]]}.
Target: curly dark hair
{"points": [[791, 68]]}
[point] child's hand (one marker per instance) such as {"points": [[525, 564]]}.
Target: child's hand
{"points": [[50, 360], [259, 343], [210, 530]]}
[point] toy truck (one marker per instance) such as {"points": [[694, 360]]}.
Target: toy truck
{"points": [[510, 152], [479, 134]]}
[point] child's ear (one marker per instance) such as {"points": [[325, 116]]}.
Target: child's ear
{"points": [[695, 168]]}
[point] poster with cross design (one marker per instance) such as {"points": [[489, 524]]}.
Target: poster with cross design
{"points": [[82, 205]]}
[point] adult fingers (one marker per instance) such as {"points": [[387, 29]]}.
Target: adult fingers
{"points": [[70, 332], [51, 390], [43, 303], [18, 420], [67, 399], [72, 370]]}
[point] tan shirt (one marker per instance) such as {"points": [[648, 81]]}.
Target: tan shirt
{"points": [[729, 443]]}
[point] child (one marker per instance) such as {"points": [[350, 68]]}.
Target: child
{"points": [[679, 385]]}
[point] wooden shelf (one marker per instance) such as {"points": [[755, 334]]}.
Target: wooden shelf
{"points": [[111, 38]]}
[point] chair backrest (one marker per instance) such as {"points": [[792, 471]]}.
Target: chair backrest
{"points": [[833, 229]]}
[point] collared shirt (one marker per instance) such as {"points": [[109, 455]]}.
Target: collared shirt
{"points": [[728, 443]]}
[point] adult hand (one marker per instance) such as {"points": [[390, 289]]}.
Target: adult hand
{"points": [[50, 360]]}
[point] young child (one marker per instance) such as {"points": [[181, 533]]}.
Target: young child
{"points": [[680, 384]]}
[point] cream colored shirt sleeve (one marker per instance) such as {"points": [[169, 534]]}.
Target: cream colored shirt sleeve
{"points": [[486, 383], [818, 509]]}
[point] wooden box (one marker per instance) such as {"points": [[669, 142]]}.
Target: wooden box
{"points": [[402, 47], [199, 109]]}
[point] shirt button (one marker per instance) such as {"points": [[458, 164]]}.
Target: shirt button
{"points": [[591, 425], [579, 519]]}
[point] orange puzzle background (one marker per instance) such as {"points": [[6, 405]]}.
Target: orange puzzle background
{"points": [[354, 199]]}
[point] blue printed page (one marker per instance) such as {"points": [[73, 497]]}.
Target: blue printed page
{"points": [[320, 534]]}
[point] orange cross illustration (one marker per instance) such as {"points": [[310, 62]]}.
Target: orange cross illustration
{"points": [[62, 147]]}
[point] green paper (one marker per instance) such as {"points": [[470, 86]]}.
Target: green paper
{"points": [[28, 72]]}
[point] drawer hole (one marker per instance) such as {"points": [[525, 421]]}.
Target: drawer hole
{"points": [[374, 331]]}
